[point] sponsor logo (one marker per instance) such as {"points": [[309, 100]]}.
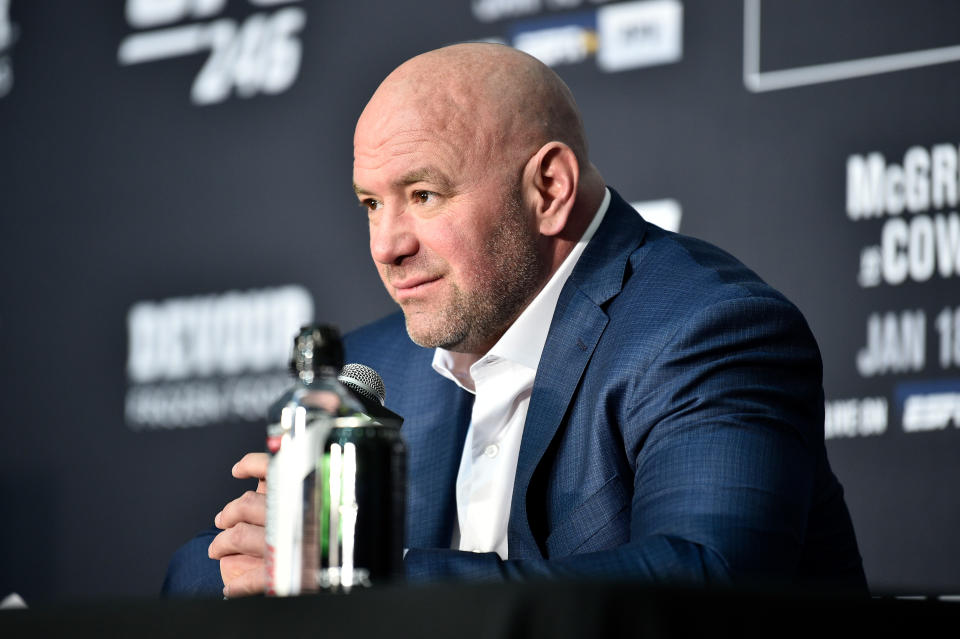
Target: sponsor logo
{"points": [[207, 359], [491, 10], [260, 55], [622, 36], [931, 412], [558, 40], [929, 405], [639, 34]]}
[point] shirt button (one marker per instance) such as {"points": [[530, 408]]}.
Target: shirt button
{"points": [[491, 450]]}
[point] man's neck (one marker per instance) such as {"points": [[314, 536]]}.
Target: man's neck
{"points": [[462, 361]]}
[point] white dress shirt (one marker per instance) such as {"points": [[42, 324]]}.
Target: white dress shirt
{"points": [[502, 381]]}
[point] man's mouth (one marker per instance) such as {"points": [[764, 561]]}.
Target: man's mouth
{"points": [[413, 287]]}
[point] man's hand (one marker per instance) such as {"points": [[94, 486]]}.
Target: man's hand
{"points": [[241, 546]]}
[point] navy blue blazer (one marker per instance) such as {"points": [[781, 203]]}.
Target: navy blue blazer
{"points": [[674, 432]]}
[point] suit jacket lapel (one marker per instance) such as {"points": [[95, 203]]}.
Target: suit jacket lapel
{"points": [[437, 414], [578, 323]]}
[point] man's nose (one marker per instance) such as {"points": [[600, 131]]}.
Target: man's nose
{"points": [[392, 239]]}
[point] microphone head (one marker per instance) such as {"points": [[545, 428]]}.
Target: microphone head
{"points": [[364, 381]]}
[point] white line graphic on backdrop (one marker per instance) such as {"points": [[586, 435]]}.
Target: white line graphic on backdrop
{"points": [[759, 81], [170, 43], [8, 36], [665, 213]]}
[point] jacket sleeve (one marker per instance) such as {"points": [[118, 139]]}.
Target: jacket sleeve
{"points": [[191, 572]]}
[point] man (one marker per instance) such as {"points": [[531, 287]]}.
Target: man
{"points": [[591, 396]]}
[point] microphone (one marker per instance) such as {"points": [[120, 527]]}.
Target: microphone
{"points": [[367, 386], [363, 381]]}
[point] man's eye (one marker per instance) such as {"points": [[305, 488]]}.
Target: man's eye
{"points": [[424, 196], [371, 204]]}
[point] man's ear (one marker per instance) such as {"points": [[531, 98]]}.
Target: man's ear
{"points": [[552, 176]]}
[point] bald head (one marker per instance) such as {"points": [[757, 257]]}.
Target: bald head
{"points": [[472, 163], [498, 99]]}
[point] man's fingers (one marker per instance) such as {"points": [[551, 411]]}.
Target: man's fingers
{"points": [[241, 545], [233, 566], [252, 465], [250, 507], [242, 575], [241, 539]]}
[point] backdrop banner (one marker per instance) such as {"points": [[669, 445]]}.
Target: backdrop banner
{"points": [[176, 188]]}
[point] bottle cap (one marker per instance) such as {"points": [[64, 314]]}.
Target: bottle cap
{"points": [[316, 346]]}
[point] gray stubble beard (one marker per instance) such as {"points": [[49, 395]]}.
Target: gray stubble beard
{"points": [[509, 284]]}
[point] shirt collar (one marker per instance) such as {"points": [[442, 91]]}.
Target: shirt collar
{"points": [[523, 342]]}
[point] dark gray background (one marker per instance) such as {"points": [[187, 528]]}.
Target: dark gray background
{"points": [[116, 189]]}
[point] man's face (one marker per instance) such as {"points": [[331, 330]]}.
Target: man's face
{"points": [[448, 231]]}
